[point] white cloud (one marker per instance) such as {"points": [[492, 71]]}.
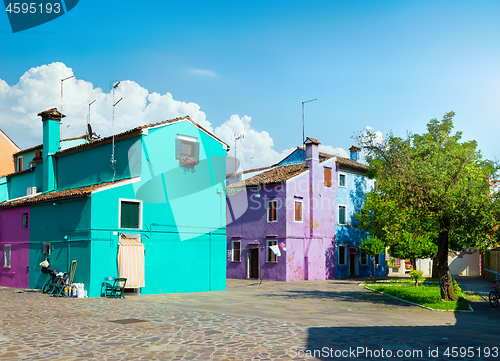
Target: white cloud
{"points": [[331, 150], [377, 137], [257, 144], [202, 72], [39, 89]]}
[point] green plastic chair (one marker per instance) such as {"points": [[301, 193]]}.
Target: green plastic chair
{"points": [[118, 290], [58, 287], [107, 287]]}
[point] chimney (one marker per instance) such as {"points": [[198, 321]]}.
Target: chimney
{"points": [[51, 120], [312, 152], [354, 153], [312, 162]]}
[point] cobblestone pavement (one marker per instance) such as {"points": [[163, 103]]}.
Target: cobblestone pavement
{"points": [[273, 321]]}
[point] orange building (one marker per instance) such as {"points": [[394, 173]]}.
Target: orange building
{"points": [[7, 149]]}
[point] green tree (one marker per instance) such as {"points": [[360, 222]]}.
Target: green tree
{"points": [[437, 183], [373, 246], [413, 245], [407, 235]]}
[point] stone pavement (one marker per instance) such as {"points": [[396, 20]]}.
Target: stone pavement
{"points": [[273, 321]]}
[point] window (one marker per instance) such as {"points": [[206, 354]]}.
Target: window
{"points": [[342, 215], [46, 248], [130, 214], [271, 257], [364, 258], [19, 164], [187, 148], [272, 215], [25, 220], [298, 211], [236, 254], [6, 256], [328, 177], [342, 180], [342, 255], [377, 259]]}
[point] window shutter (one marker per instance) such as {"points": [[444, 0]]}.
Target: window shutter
{"points": [[328, 177], [196, 151], [178, 145]]}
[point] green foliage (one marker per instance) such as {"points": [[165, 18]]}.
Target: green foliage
{"points": [[433, 192], [427, 295], [417, 276], [372, 246], [412, 245]]}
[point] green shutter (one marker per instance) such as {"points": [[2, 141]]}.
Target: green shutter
{"points": [[178, 145], [196, 151], [129, 215]]}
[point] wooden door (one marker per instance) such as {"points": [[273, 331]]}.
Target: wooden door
{"points": [[253, 262]]}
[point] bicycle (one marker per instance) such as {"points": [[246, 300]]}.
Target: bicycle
{"points": [[495, 294]]}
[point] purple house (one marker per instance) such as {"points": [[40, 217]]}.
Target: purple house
{"points": [[292, 207], [14, 246]]}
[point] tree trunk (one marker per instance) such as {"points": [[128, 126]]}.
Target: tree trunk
{"points": [[435, 268], [445, 280], [374, 272], [413, 261]]}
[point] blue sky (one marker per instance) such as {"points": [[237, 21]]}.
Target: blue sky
{"points": [[248, 65]]}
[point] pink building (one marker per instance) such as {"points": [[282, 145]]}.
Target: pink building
{"points": [[291, 206], [14, 247]]}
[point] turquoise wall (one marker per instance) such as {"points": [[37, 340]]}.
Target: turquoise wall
{"points": [[51, 223], [27, 158], [19, 183], [183, 226], [93, 165], [4, 189]]}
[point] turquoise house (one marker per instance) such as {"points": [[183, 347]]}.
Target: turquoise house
{"points": [[147, 204]]}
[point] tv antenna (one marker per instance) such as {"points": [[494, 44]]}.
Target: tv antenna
{"points": [[89, 127], [236, 138], [303, 134], [113, 160], [60, 123]]}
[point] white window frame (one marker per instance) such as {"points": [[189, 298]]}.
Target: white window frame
{"points": [[46, 249], [365, 263], [268, 250], [120, 200], [20, 158], [345, 255], [27, 220], [188, 139], [345, 180], [268, 213], [338, 208], [301, 211], [232, 250], [7, 256]]}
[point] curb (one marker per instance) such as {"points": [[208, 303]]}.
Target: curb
{"points": [[413, 303]]}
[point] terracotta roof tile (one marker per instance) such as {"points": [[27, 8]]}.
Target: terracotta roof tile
{"points": [[313, 141], [136, 130], [249, 171], [56, 195], [342, 160], [273, 176]]}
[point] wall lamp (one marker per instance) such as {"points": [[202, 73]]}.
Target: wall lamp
{"points": [[257, 194]]}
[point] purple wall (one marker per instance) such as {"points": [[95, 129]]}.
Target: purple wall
{"points": [[308, 243], [11, 232]]}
